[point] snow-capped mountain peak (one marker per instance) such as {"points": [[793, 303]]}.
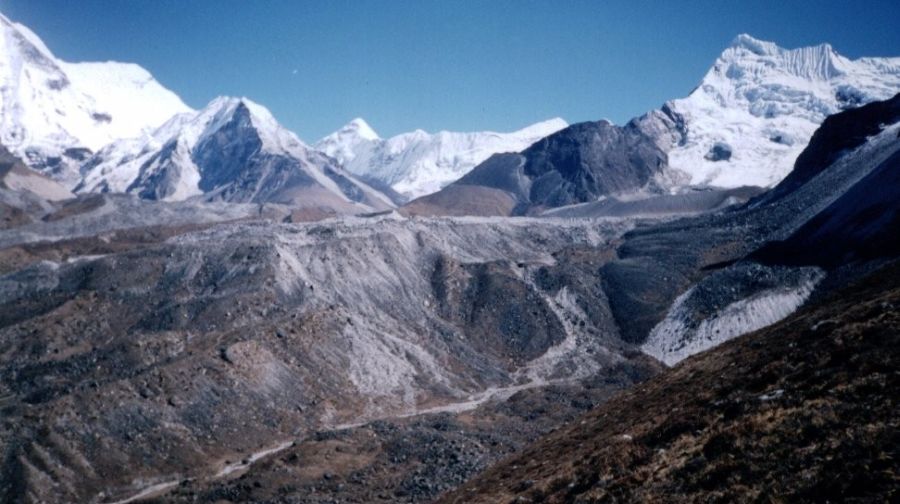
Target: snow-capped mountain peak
{"points": [[232, 149], [757, 107], [345, 143], [119, 166], [272, 134], [361, 129], [418, 162], [54, 113]]}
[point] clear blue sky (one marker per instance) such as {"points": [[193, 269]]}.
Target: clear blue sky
{"points": [[456, 65]]}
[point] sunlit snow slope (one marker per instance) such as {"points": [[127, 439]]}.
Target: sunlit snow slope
{"points": [[52, 113], [419, 163], [757, 107]]}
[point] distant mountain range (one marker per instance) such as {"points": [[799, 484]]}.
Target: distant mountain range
{"points": [[111, 127], [419, 163], [231, 150]]}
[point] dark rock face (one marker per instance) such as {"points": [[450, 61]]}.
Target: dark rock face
{"points": [[224, 156], [578, 164], [156, 185], [849, 97], [77, 153], [70, 160], [589, 160], [720, 151]]}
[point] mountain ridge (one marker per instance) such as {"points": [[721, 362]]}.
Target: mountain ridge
{"points": [[232, 149], [418, 162], [757, 107]]}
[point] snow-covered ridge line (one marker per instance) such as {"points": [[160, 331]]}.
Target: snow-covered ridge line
{"points": [[235, 150], [758, 106], [418, 162]]}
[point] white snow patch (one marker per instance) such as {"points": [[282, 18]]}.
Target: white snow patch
{"points": [[674, 339]]}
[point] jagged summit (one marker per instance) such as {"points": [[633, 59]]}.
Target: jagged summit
{"points": [[757, 107], [819, 62]]}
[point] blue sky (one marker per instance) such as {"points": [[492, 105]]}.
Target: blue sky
{"points": [[455, 65]]}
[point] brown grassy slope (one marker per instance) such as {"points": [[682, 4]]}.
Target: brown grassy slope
{"points": [[803, 411]]}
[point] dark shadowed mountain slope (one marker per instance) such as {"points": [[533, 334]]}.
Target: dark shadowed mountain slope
{"points": [[578, 164], [803, 411], [676, 284], [589, 160], [863, 224]]}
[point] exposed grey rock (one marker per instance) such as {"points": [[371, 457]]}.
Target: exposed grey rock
{"points": [[720, 151], [578, 164]]}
